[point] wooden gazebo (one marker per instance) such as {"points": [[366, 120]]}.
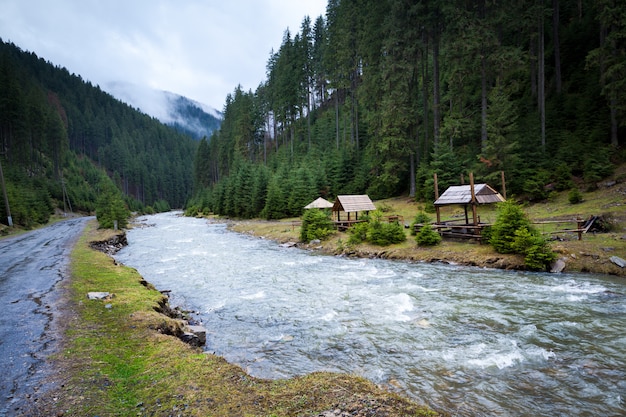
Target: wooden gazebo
{"points": [[351, 204], [471, 195], [467, 195], [319, 203]]}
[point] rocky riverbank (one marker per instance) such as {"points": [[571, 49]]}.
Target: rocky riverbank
{"points": [[111, 245]]}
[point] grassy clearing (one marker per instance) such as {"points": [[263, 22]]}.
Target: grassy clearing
{"points": [[591, 254], [117, 362]]}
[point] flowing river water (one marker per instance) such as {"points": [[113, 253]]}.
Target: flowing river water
{"points": [[469, 341]]}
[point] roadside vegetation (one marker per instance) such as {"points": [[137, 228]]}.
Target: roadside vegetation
{"points": [[118, 360]]}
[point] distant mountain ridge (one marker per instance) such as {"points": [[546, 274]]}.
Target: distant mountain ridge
{"points": [[183, 114]]}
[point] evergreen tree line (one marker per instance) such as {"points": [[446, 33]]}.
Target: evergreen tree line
{"points": [[61, 139], [377, 95]]}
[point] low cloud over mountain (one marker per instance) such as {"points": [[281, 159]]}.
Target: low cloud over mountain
{"points": [[185, 115]]}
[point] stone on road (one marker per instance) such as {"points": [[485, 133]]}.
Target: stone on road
{"points": [[31, 266]]}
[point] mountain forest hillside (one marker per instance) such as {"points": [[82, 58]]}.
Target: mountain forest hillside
{"points": [[64, 143], [183, 114], [378, 95]]}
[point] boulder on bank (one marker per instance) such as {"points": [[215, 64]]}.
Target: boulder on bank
{"points": [[99, 295], [557, 266], [199, 332], [618, 261]]}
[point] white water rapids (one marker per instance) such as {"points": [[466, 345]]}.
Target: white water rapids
{"points": [[467, 341]]}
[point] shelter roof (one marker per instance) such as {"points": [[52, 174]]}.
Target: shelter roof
{"points": [[462, 194], [320, 203], [353, 203]]}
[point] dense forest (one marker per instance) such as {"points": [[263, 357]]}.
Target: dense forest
{"points": [[377, 95], [65, 143]]}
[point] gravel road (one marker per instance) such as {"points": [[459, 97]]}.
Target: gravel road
{"points": [[31, 266]]}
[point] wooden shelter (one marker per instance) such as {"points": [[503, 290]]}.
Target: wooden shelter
{"points": [[462, 194], [473, 194], [351, 204], [465, 195], [319, 203]]}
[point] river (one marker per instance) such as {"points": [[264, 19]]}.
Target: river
{"points": [[464, 340]]}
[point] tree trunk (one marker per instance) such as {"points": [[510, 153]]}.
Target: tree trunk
{"points": [[483, 84], [337, 116], [542, 79], [425, 95], [436, 96], [614, 123], [308, 113], [533, 67], [412, 176], [356, 127], [483, 100], [557, 45]]}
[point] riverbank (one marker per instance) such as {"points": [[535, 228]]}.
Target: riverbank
{"points": [[592, 254], [118, 360]]}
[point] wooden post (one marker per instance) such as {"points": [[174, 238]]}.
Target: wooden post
{"points": [[475, 215], [437, 198], [503, 185]]}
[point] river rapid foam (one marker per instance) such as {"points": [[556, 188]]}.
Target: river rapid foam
{"points": [[467, 341]]}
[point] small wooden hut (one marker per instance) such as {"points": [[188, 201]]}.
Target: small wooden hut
{"points": [[465, 195], [351, 204], [319, 203], [468, 195]]}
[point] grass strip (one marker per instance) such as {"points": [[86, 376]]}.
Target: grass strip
{"points": [[117, 361]]}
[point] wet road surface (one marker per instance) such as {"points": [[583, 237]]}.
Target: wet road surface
{"points": [[31, 266]]}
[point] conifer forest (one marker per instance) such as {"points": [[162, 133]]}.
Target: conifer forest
{"points": [[377, 95], [372, 98], [66, 144]]}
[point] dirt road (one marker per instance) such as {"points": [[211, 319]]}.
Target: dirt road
{"points": [[31, 267]]}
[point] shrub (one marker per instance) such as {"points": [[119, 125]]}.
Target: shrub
{"points": [[384, 234], [510, 218], [110, 208], [513, 233], [358, 233], [376, 232], [420, 218], [385, 207], [534, 186], [563, 177], [427, 236], [575, 196], [316, 224], [161, 206], [536, 251]]}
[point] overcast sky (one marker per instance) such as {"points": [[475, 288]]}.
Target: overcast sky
{"points": [[201, 49]]}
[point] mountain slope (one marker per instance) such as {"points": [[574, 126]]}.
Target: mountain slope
{"points": [[60, 135], [185, 115]]}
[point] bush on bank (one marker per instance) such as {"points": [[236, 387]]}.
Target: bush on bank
{"points": [[513, 232], [316, 224]]}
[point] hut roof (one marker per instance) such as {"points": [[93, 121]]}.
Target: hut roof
{"points": [[462, 194], [320, 203], [353, 203]]}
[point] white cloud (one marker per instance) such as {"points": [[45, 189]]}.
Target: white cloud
{"points": [[201, 49]]}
